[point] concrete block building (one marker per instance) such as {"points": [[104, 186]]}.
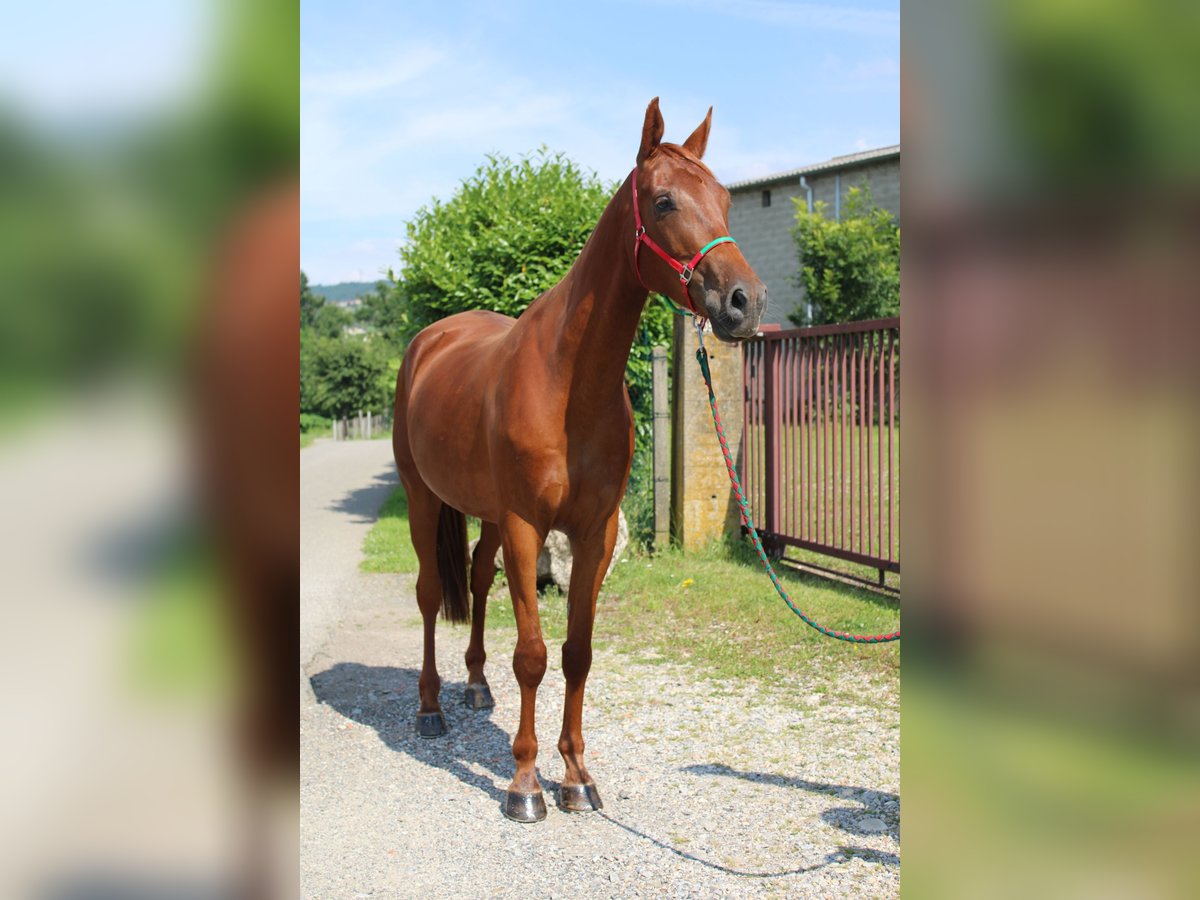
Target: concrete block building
{"points": [[762, 215]]}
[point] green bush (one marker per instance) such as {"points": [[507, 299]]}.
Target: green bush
{"points": [[509, 233], [313, 422], [654, 330], [849, 268]]}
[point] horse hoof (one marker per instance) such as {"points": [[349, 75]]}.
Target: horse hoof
{"points": [[522, 807], [478, 696], [579, 798], [431, 724]]}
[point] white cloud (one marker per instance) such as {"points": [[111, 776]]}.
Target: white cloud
{"points": [[407, 65], [875, 74], [373, 157], [812, 16]]}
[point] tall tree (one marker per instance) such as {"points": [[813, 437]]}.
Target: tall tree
{"points": [[341, 375], [310, 303]]}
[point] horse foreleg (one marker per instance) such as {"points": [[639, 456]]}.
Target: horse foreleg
{"points": [[483, 573], [590, 560], [522, 542]]}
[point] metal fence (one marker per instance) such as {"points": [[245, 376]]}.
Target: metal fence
{"points": [[821, 447]]}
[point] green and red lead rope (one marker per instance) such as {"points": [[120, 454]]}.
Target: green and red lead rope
{"points": [[744, 510]]}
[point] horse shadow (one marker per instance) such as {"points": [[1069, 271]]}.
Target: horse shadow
{"points": [[386, 699], [362, 504], [846, 818]]}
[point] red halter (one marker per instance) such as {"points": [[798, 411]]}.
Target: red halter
{"points": [[685, 270]]}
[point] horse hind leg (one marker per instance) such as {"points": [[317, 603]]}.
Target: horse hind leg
{"points": [[426, 521], [483, 573]]}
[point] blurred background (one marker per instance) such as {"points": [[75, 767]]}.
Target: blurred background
{"points": [[148, 270], [1051, 210]]}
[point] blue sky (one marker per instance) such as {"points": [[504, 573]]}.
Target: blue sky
{"points": [[401, 101]]}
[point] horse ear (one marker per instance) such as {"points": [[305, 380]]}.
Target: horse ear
{"points": [[698, 141], [652, 131]]}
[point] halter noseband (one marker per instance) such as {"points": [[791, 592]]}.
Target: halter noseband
{"points": [[685, 270]]}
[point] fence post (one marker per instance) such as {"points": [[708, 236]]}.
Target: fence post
{"points": [[702, 505], [662, 449], [772, 418]]}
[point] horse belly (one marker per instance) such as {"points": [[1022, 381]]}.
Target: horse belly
{"points": [[446, 420]]}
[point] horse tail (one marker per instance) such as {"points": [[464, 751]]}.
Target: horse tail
{"points": [[452, 564]]}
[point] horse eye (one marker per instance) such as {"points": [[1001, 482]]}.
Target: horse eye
{"points": [[662, 204]]}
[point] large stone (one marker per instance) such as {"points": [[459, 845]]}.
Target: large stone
{"points": [[554, 562], [872, 825]]}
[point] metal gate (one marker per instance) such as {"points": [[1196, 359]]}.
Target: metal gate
{"points": [[821, 446]]}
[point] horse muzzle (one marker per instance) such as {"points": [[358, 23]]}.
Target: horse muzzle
{"points": [[736, 313]]}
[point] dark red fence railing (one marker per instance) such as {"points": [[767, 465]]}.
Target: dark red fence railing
{"points": [[821, 448]]}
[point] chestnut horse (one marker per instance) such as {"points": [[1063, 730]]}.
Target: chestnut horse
{"points": [[526, 424]]}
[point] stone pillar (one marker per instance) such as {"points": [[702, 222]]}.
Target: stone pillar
{"points": [[702, 504]]}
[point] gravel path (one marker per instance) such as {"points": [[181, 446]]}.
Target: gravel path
{"points": [[342, 486], [711, 789]]}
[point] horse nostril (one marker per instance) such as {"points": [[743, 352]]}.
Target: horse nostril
{"points": [[738, 300]]}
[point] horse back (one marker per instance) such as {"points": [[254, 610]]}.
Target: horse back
{"points": [[443, 406]]}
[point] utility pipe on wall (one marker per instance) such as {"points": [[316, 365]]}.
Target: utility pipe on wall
{"points": [[808, 190]]}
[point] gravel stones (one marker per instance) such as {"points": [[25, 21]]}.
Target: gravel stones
{"points": [[712, 789]]}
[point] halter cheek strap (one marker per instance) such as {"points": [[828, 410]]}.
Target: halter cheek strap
{"points": [[684, 270]]}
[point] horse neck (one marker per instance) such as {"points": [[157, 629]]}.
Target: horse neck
{"points": [[602, 302]]}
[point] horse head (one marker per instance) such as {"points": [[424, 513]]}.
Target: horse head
{"points": [[682, 215]]}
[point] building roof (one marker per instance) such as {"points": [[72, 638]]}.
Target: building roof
{"points": [[847, 161]]}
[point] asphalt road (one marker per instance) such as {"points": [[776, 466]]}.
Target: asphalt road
{"points": [[342, 486]]}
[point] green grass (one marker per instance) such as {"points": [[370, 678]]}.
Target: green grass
{"points": [[719, 610], [307, 437], [715, 610], [388, 547]]}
